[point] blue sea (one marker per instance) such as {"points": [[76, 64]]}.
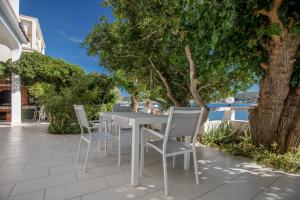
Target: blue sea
{"points": [[219, 115]]}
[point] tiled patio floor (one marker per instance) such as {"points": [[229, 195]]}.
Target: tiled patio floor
{"points": [[35, 165]]}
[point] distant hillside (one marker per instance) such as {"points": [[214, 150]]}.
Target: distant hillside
{"points": [[126, 98], [247, 95]]}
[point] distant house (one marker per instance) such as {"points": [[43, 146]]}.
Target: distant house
{"points": [[17, 33], [34, 34]]}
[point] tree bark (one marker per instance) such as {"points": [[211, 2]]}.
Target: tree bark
{"points": [[194, 84], [193, 81], [166, 83], [276, 118], [288, 136], [134, 103], [274, 90]]}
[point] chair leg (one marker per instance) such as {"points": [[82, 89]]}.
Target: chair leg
{"points": [[34, 116], [147, 146], [196, 165], [119, 151], [142, 153], [174, 161], [119, 146], [87, 156], [79, 147], [165, 175], [105, 148], [111, 144], [99, 145]]}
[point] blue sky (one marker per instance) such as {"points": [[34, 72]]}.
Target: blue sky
{"points": [[65, 23]]}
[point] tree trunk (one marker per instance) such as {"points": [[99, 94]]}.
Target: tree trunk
{"points": [[288, 135], [274, 91], [166, 83], [194, 84], [134, 103]]}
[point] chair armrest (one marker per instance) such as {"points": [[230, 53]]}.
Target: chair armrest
{"points": [[93, 127], [106, 125], [153, 132], [94, 123], [101, 126]]}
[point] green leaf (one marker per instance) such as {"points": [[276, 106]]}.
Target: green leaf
{"points": [[214, 39], [273, 29], [296, 31]]}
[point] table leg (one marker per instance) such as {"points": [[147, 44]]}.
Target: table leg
{"points": [[186, 160], [135, 169], [142, 153]]}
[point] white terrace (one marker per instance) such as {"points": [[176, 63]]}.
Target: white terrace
{"points": [[35, 165]]}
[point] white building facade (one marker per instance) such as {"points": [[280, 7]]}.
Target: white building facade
{"points": [[34, 34], [14, 38]]}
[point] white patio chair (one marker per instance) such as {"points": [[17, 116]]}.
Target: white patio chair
{"points": [[124, 131], [42, 115], [121, 130], [181, 122], [90, 132]]}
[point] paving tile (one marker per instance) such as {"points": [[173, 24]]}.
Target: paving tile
{"points": [[20, 175], [118, 178], [49, 163], [160, 195], [22, 160], [286, 187], [2, 161], [4, 155], [5, 190], [192, 190], [223, 172], [261, 178], [121, 192], [61, 169], [98, 172], [29, 154], [210, 196], [38, 195], [41, 183], [64, 155], [12, 168], [239, 189], [75, 189], [109, 160], [75, 198]]}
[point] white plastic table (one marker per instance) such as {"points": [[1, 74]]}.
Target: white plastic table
{"points": [[135, 120]]}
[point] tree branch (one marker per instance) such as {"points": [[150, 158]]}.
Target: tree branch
{"points": [[263, 12], [265, 66], [170, 94], [179, 85], [149, 35], [193, 82], [202, 87], [273, 13]]}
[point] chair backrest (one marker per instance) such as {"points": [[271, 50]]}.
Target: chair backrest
{"points": [[119, 108], [183, 122], [122, 122], [81, 116]]}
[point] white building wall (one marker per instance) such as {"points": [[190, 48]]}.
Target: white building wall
{"points": [[15, 4], [5, 52], [16, 97], [11, 38], [33, 31]]}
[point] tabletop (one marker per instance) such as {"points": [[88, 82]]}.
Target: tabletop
{"points": [[138, 117]]}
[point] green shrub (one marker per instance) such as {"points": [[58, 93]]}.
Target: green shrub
{"points": [[240, 144], [93, 91]]}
